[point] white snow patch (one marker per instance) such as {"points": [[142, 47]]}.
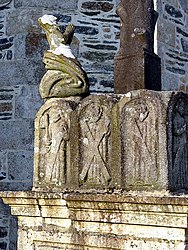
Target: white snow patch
{"points": [[50, 19], [63, 49], [128, 95]]}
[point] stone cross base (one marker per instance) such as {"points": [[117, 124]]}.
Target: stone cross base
{"points": [[49, 221], [137, 71], [136, 141]]}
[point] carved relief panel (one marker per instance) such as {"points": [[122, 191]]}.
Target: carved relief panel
{"points": [[178, 142], [140, 118], [52, 147], [95, 142]]}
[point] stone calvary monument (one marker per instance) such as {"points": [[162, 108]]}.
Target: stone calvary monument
{"points": [[110, 171]]}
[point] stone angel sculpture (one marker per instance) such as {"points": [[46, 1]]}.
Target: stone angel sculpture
{"points": [[65, 76]]}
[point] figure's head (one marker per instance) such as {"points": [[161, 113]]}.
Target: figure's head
{"points": [[47, 21], [93, 113]]}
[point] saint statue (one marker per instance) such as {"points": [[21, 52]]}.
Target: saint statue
{"points": [[65, 76]]}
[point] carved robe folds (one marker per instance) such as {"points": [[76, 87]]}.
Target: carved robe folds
{"points": [[136, 141], [142, 131], [52, 145]]}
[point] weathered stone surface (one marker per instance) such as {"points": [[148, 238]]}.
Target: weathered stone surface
{"points": [[52, 157], [67, 5], [132, 63], [24, 160], [65, 76], [22, 71], [16, 135], [177, 142], [27, 102], [172, 44], [23, 21], [104, 6], [35, 44], [95, 158], [143, 137], [99, 221]]}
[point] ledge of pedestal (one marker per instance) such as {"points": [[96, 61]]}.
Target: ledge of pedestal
{"points": [[78, 219]]}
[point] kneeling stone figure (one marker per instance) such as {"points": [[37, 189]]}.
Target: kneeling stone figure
{"points": [[65, 76]]}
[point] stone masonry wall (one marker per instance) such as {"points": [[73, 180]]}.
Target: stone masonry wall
{"points": [[22, 44], [173, 43], [96, 42]]}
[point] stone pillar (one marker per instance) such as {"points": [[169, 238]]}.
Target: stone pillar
{"points": [[136, 65]]}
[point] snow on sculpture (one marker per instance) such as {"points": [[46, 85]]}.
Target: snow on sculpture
{"points": [[65, 76]]}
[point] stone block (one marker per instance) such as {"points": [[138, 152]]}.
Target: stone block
{"points": [[27, 102], [166, 32], [55, 212], [26, 210], [177, 142], [53, 156], [63, 223], [22, 71], [96, 154], [104, 6], [16, 185], [35, 45], [20, 165], [23, 21], [16, 135], [3, 165], [65, 5], [143, 140], [13, 233], [19, 46]]}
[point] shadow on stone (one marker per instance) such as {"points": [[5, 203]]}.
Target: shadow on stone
{"points": [[8, 228], [177, 130]]}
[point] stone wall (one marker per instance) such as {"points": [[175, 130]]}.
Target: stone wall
{"points": [[96, 42], [173, 43], [22, 43]]}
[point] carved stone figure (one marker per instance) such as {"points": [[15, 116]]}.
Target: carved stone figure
{"points": [[64, 77], [57, 133], [52, 144], [139, 132], [94, 146], [178, 170], [136, 54]]}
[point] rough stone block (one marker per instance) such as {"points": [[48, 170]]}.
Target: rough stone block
{"points": [[35, 45], [13, 233], [177, 142], [59, 212], [23, 21], [65, 4], [96, 133], [16, 185], [143, 140], [52, 156], [22, 71], [20, 165], [27, 102], [16, 135]]}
